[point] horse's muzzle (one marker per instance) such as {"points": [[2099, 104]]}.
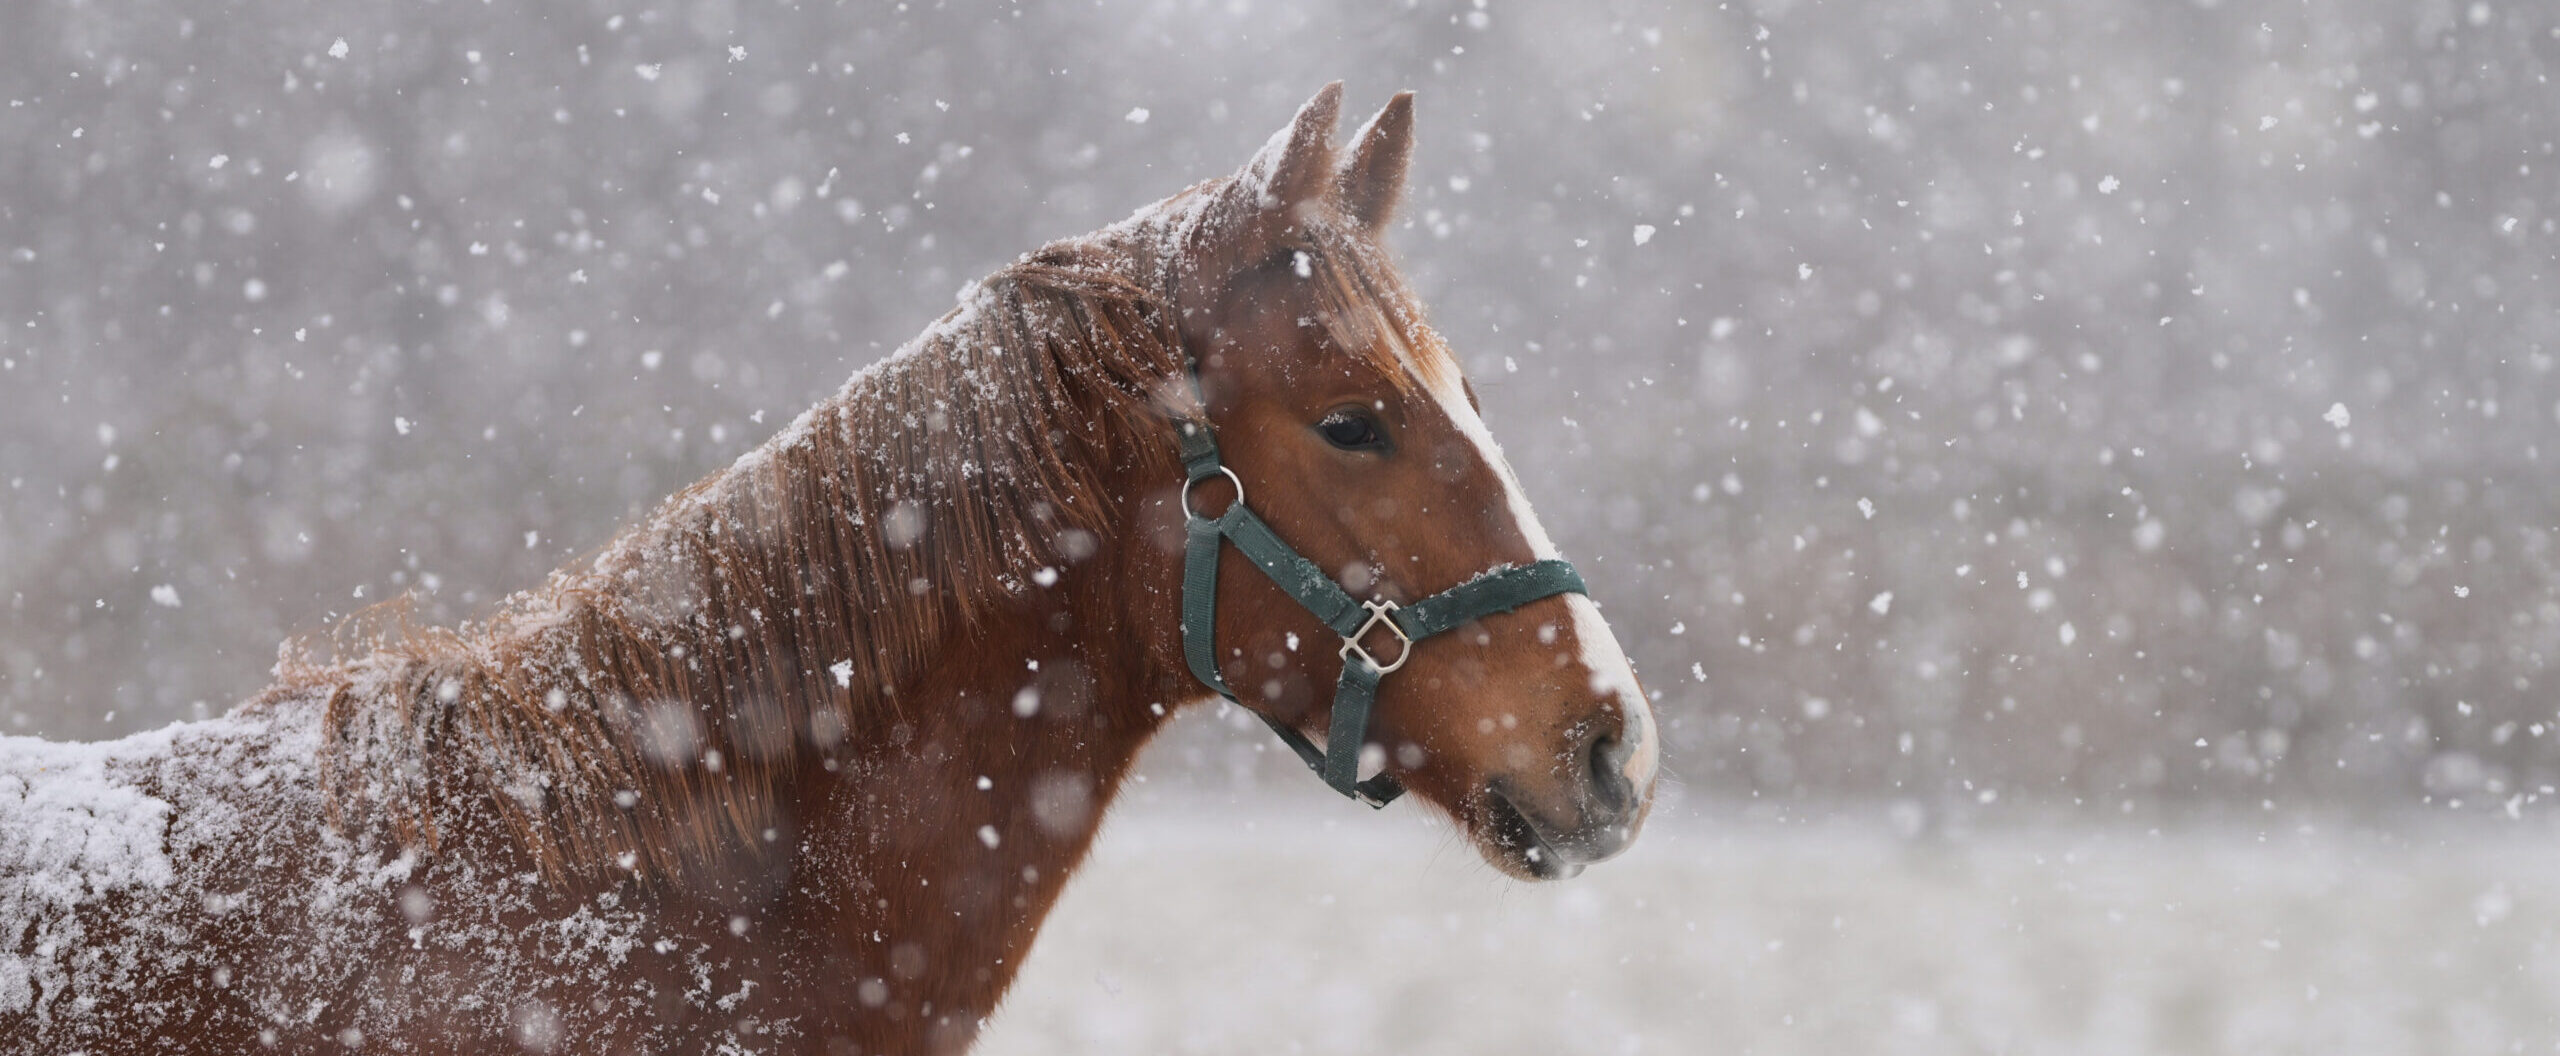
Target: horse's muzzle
{"points": [[1593, 819]]}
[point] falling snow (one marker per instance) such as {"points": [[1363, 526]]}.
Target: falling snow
{"points": [[1997, 437]]}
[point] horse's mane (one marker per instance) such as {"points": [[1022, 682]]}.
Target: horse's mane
{"points": [[638, 712]]}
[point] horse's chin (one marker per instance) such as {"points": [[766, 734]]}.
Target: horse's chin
{"points": [[1511, 843]]}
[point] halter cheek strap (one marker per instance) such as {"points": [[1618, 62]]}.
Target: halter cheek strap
{"points": [[1501, 590]]}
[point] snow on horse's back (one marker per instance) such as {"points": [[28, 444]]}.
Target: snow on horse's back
{"points": [[159, 857]]}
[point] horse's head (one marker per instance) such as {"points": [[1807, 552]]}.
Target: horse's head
{"points": [[1356, 438]]}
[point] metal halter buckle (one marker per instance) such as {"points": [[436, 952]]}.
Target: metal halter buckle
{"points": [[1186, 492], [1378, 614]]}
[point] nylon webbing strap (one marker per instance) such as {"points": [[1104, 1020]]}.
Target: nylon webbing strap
{"points": [[1293, 573], [1199, 449], [1500, 591], [1352, 700], [1356, 694], [1200, 602]]}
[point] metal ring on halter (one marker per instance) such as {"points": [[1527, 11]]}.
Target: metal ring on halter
{"points": [[1379, 613], [1186, 492]]}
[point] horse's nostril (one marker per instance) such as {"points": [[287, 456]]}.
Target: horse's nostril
{"points": [[1609, 784]]}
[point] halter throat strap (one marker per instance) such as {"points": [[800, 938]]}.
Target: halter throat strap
{"points": [[1357, 622]]}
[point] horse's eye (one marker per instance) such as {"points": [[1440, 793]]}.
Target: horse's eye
{"points": [[1352, 431]]}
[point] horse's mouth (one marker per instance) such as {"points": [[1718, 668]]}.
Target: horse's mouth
{"points": [[1514, 844]]}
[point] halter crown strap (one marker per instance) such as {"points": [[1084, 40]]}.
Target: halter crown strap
{"points": [[1356, 694]]}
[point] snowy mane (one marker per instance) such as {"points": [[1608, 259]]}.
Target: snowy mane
{"points": [[638, 710]]}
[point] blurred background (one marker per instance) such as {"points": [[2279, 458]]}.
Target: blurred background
{"points": [[2073, 474]]}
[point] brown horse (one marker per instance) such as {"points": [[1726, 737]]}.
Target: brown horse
{"points": [[799, 763]]}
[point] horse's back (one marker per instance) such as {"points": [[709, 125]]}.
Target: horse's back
{"points": [[163, 887]]}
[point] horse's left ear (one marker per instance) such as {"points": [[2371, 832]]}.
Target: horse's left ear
{"points": [[1293, 166], [1373, 177]]}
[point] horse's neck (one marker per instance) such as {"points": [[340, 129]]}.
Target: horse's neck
{"points": [[938, 857], [931, 860], [934, 838]]}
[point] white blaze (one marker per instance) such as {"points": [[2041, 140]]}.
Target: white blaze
{"points": [[1611, 674]]}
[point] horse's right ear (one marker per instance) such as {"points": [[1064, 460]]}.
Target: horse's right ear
{"points": [[1374, 177], [1294, 165]]}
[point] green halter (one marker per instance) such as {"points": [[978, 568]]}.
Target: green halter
{"points": [[1501, 590]]}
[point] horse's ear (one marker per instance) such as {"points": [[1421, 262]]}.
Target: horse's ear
{"points": [[1373, 178], [1295, 164]]}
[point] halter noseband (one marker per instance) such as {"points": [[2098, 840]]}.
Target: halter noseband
{"points": [[1501, 590]]}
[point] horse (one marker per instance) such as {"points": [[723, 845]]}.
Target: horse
{"points": [[799, 762]]}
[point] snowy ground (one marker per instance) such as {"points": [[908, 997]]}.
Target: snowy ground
{"points": [[1283, 923]]}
